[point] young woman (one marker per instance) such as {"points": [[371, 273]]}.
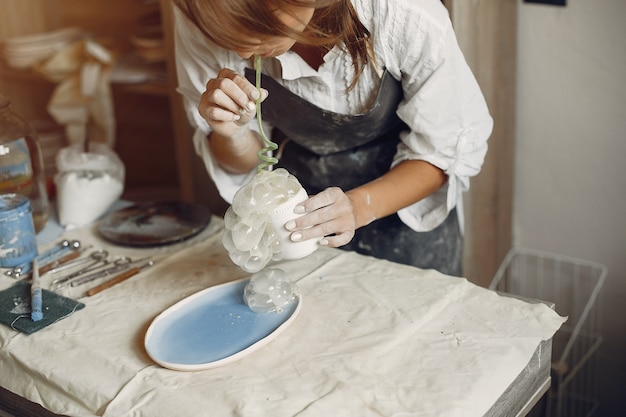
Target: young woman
{"points": [[375, 109]]}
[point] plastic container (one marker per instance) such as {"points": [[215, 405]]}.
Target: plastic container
{"points": [[573, 285], [17, 231], [21, 164], [87, 183]]}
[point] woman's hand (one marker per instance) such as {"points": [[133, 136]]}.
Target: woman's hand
{"points": [[228, 106], [229, 103], [334, 215], [330, 214]]}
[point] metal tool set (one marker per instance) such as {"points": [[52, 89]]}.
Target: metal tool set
{"points": [[73, 265]]}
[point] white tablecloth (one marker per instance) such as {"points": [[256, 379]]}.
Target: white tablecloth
{"points": [[373, 338]]}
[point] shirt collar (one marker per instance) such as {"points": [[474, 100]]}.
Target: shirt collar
{"points": [[294, 67]]}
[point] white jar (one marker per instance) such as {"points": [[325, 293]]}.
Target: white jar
{"points": [[279, 216]]}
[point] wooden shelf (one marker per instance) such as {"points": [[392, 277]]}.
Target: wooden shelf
{"points": [[151, 88], [153, 137], [28, 74]]}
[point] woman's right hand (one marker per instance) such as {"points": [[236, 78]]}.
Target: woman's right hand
{"points": [[228, 103]]}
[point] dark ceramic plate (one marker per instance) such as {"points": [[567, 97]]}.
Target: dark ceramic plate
{"points": [[155, 223]]}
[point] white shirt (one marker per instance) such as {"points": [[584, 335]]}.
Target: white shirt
{"points": [[413, 39]]}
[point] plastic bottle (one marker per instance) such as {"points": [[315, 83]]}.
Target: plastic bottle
{"points": [[21, 164]]}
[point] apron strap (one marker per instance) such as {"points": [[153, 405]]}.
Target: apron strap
{"points": [[324, 132]]}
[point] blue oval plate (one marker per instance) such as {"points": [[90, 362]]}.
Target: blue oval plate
{"points": [[212, 328]]}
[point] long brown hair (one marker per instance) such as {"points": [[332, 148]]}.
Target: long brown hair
{"points": [[334, 22]]}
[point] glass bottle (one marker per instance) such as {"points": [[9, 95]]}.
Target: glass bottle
{"points": [[21, 163]]}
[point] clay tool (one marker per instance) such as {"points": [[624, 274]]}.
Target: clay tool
{"points": [[50, 255], [62, 260], [99, 260], [121, 277], [119, 266]]}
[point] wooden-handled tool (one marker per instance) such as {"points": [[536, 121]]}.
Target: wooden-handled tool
{"points": [[119, 278], [64, 259]]}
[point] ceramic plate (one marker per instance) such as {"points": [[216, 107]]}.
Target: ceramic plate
{"points": [[154, 224], [212, 328]]}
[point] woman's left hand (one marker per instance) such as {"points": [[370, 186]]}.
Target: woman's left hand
{"points": [[329, 215]]}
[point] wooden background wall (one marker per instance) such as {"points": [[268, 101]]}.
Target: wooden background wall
{"points": [[486, 30]]}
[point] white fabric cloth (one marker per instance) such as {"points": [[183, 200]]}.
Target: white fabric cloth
{"points": [[373, 338], [414, 40]]}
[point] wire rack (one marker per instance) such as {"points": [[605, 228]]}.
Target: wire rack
{"points": [[573, 285]]}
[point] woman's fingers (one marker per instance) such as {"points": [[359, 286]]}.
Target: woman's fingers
{"points": [[225, 94], [329, 214], [248, 89], [229, 102], [232, 93], [336, 241], [216, 106]]}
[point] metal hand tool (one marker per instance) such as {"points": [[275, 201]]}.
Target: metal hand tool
{"points": [[56, 251], [119, 265], [99, 260], [119, 278]]}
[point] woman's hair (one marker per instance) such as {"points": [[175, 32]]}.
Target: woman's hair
{"points": [[334, 22]]}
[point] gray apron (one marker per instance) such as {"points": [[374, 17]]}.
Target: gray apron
{"points": [[324, 149]]}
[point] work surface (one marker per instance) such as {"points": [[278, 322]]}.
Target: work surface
{"points": [[373, 338]]}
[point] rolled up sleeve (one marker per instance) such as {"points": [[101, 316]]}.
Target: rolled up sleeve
{"points": [[449, 124], [196, 63]]}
